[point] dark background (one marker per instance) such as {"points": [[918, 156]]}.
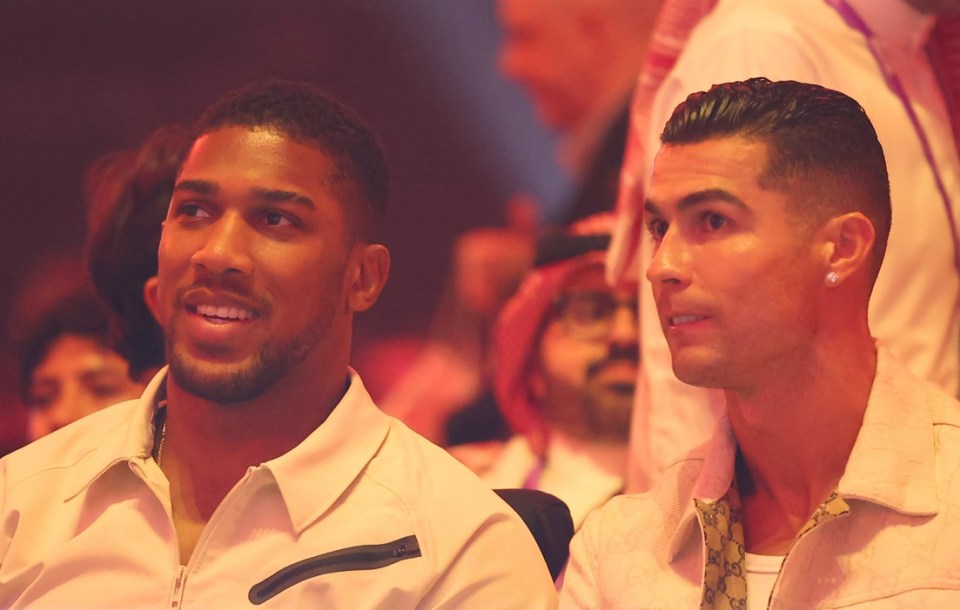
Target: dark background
{"points": [[79, 79]]}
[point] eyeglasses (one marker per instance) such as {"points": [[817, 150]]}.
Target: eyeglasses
{"points": [[590, 314]]}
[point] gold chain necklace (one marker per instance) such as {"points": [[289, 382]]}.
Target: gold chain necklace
{"points": [[163, 437]]}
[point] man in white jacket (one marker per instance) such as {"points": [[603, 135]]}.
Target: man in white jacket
{"points": [[256, 470]]}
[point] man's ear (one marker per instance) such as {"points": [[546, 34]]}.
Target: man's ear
{"points": [[849, 244], [370, 266], [150, 297]]}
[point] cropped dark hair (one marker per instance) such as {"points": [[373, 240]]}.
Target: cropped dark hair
{"points": [[823, 149], [305, 114]]}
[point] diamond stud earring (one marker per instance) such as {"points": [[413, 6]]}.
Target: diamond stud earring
{"points": [[832, 278]]}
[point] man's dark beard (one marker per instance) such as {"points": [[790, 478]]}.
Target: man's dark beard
{"points": [[273, 360], [272, 363]]}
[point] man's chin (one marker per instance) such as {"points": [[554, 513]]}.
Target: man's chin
{"points": [[701, 377], [222, 383]]}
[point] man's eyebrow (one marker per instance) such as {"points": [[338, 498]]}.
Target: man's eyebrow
{"points": [[281, 196], [205, 187], [697, 198], [201, 187]]}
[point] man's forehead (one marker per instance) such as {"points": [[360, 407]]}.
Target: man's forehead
{"points": [[724, 152], [261, 146], [718, 163]]}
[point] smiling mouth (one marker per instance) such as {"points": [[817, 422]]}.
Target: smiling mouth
{"points": [[225, 313]]}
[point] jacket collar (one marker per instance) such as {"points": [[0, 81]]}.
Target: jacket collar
{"points": [[892, 463], [315, 473], [131, 442], [310, 477]]}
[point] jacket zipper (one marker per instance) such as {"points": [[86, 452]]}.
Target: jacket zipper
{"points": [[176, 596], [363, 557]]}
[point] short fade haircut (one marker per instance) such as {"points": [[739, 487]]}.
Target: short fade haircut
{"points": [[823, 150], [304, 113]]}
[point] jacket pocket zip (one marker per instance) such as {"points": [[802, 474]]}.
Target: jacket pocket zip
{"points": [[363, 557]]}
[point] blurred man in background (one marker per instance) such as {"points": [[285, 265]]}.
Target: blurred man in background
{"points": [[68, 369], [578, 60], [565, 372]]}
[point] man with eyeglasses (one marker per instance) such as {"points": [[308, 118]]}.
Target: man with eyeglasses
{"points": [[566, 356]]}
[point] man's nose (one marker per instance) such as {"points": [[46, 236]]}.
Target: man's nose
{"points": [[226, 246], [669, 264]]}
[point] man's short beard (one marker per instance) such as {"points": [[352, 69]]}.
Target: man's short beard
{"points": [[272, 363]]}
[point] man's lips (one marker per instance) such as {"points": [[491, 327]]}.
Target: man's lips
{"points": [[224, 312], [217, 306], [680, 320]]}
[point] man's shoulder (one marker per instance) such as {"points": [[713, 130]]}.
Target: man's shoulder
{"points": [[639, 545], [71, 446], [783, 15], [459, 522], [416, 468], [654, 514], [744, 38]]}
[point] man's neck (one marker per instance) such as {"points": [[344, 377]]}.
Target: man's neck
{"points": [[213, 444], [207, 448], [795, 436]]}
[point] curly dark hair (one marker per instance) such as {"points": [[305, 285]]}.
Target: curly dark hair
{"points": [[304, 113]]}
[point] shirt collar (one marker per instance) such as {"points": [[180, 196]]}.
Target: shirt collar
{"points": [[133, 443], [715, 478], [899, 26], [892, 464], [310, 477], [315, 473]]}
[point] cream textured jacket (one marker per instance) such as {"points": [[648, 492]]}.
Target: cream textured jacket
{"points": [[888, 538]]}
